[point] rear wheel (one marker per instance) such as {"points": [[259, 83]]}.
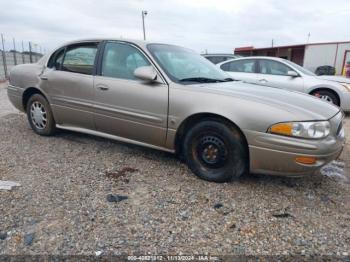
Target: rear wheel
{"points": [[40, 116], [215, 152], [327, 96]]}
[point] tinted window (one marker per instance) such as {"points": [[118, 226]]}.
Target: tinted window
{"points": [[245, 66], [121, 60], [80, 59], [212, 59], [218, 59], [223, 58], [225, 67], [273, 67]]}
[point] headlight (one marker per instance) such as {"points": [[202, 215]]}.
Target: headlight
{"points": [[319, 129], [346, 85]]}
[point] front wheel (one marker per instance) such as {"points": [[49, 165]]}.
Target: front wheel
{"points": [[327, 96], [215, 152], [40, 116]]}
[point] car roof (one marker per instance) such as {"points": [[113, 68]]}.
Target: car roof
{"points": [[252, 57], [137, 42], [218, 54], [261, 57]]}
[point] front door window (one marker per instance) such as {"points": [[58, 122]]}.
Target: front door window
{"points": [[120, 61]]}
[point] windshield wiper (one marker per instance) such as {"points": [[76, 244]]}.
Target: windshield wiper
{"points": [[202, 80]]}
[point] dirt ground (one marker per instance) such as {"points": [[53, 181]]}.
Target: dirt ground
{"points": [[63, 204]]}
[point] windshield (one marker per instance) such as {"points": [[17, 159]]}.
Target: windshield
{"points": [[185, 66], [300, 68]]}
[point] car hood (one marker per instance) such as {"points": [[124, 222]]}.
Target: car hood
{"points": [[298, 106], [340, 79]]}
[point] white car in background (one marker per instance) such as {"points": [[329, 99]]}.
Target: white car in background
{"points": [[282, 73]]}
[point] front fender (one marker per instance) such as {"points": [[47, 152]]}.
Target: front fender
{"points": [[245, 114]]}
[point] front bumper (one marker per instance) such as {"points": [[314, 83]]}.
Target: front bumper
{"points": [[274, 162], [276, 155]]}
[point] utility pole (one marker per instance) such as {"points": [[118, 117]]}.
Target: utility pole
{"points": [[272, 43], [308, 37], [144, 13]]}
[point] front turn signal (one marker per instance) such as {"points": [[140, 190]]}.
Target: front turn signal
{"points": [[282, 129], [306, 160]]}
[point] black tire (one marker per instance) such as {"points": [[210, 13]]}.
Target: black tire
{"points": [[328, 95], [40, 116], [215, 152]]}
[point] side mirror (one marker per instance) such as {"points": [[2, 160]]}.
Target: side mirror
{"points": [[146, 73], [292, 73]]}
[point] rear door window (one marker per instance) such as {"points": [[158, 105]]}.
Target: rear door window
{"points": [[80, 59]]}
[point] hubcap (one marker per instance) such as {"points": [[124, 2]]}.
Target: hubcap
{"points": [[38, 115], [324, 97], [212, 151]]}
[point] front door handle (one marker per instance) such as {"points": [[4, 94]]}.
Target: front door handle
{"points": [[44, 78], [103, 88], [263, 81]]}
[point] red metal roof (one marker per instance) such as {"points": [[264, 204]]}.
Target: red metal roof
{"points": [[263, 48], [244, 48]]}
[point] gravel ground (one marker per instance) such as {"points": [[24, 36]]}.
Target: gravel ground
{"points": [[62, 207]]}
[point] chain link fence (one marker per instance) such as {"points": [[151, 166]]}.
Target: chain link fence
{"points": [[11, 55]]}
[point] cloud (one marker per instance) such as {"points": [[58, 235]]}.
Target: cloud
{"points": [[216, 26]]}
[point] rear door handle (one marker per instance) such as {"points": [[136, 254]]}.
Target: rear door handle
{"points": [[263, 81], [44, 78], [103, 88]]}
